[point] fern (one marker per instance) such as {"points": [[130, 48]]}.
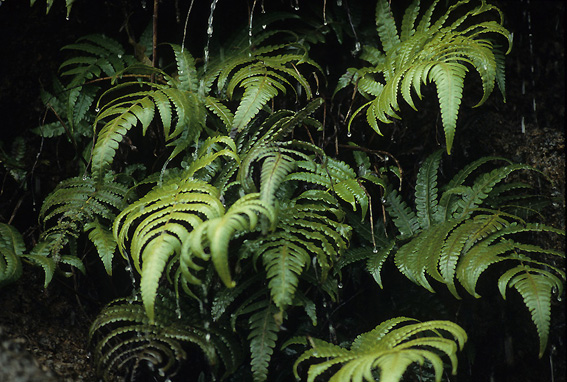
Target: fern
{"points": [[77, 205], [438, 52], [457, 239], [125, 337], [387, 349], [11, 250]]}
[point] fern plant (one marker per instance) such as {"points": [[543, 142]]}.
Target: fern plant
{"points": [[388, 350], [424, 51], [12, 248], [452, 236]]}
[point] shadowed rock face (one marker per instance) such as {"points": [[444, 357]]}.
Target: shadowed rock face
{"points": [[18, 365]]}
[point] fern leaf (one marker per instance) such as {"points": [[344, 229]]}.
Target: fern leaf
{"points": [[386, 26], [535, 286], [258, 90], [449, 78], [376, 260], [404, 218], [11, 249], [216, 233], [104, 242], [389, 350], [274, 169], [426, 190], [263, 336]]}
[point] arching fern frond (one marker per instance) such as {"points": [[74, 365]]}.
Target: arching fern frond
{"points": [[77, 205], [127, 341], [387, 349], [215, 233], [440, 52], [459, 240], [126, 112], [154, 228]]}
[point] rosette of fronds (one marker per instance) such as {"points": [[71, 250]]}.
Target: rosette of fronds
{"points": [[439, 51], [128, 343], [453, 237], [384, 353]]}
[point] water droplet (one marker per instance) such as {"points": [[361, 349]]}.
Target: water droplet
{"points": [[67, 18], [264, 26], [128, 268], [97, 110], [349, 134], [357, 47], [119, 56], [559, 298], [340, 285], [374, 250], [383, 200], [339, 3], [208, 337], [210, 30], [523, 125], [181, 72], [386, 158]]}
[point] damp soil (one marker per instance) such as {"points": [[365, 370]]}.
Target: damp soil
{"points": [[44, 331]]}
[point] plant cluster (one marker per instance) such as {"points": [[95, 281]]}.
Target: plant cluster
{"points": [[241, 229]]}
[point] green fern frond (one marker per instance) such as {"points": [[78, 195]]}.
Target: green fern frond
{"points": [[426, 190], [104, 56], [403, 217], [125, 112], [439, 53], [305, 230], [215, 233], [11, 249], [536, 287], [124, 335], [263, 335], [387, 349]]}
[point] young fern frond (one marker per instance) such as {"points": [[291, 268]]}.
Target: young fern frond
{"points": [[11, 250], [439, 53], [388, 349]]}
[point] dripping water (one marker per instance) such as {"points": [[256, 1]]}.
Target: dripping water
{"points": [[250, 26], [528, 17], [357, 43], [210, 32], [185, 26]]}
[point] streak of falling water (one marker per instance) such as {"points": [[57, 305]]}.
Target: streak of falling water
{"points": [[528, 16], [250, 25], [185, 26], [357, 43], [210, 32]]}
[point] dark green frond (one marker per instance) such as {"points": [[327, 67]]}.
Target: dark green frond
{"points": [[11, 249]]}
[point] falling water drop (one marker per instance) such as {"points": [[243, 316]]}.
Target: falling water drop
{"points": [[144, 5], [340, 285], [67, 18], [339, 3], [523, 125], [349, 134], [209, 32]]}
